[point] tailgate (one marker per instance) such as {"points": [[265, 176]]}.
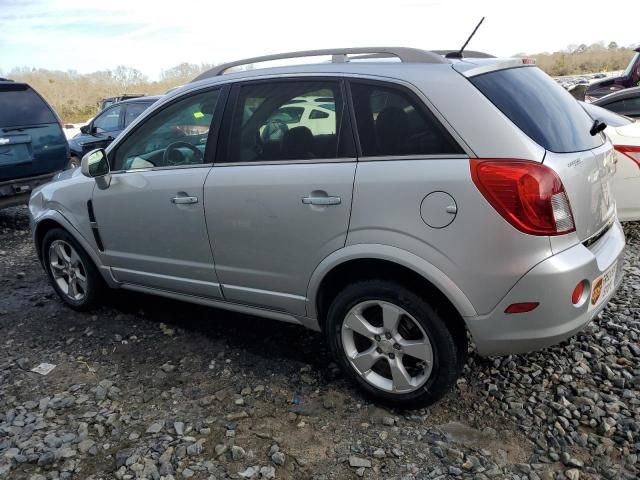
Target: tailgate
{"points": [[587, 180]]}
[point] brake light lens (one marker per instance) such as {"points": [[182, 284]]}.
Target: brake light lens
{"points": [[529, 195], [577, 292], [632, 152]]}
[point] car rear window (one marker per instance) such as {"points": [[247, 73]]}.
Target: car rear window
{"points": [[540, 108], [21, 106]]}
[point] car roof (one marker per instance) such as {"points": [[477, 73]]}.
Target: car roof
{"points": [[619, 95]]}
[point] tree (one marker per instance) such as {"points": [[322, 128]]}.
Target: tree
{"points": [[613, 45]]}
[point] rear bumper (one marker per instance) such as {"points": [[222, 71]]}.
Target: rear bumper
{"points": [[551, 283], [17, 192]]}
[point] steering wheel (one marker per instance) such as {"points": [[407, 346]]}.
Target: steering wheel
{"points": [[273, 130], [168, 155]]}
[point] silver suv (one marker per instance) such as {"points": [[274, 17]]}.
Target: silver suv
{"points": [[425, 199]]}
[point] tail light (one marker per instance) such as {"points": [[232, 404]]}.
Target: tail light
{"points": [[529, 195], [632, 152]]}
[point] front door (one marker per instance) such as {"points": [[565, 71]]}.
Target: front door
{"points": [[103, 129], [151, 217], [278, 199]]}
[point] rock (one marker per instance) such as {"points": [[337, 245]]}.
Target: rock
{"points": [[87, 446], [248, 473], [237, 453], [179, 428], [572, 474], [357, 462], [187, 473], [155, 427], [278, 458], [388, 421], [379, 453], [47, 458], [268, 472]]}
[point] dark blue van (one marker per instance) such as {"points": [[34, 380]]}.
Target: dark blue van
{"points": [[33, 147]]}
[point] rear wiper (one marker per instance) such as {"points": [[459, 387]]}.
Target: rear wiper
{"points": [[13, 129], [597, 127]]}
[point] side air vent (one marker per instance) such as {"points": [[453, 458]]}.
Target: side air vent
{"points": [[94, 226]]}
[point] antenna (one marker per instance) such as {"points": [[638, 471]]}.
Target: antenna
{"points": [[458, 54]]}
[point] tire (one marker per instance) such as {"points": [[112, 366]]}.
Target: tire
{"points": [[74, 267], [74, 162], [439, 351]]}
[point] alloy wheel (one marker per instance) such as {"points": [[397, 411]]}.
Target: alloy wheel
{"points": [[68, 271], [387, 346]]}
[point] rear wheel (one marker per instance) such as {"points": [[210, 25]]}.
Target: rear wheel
{"points": [[394, 344], [73, 275]]}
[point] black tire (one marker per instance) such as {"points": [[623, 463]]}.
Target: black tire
{"points": [[449, 344], [94, 282], [74, 162]]}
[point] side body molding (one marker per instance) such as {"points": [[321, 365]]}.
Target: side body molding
{"points": [[391, 254]]}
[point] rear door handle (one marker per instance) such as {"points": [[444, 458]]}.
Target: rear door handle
{"points": [[184, 200], [321, 200]]}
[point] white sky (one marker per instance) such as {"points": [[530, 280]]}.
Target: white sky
{"points": [[151, 35]]}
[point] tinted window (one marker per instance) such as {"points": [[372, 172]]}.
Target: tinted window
{"points": [[315, 114], [604, 115], [540, 108], [21, 106], [271, 122], [393, 122], [174, 136], [133, 111], [108, 121], [618, 106]]}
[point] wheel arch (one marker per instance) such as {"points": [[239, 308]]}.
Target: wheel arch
{"points": [[359, 262]]}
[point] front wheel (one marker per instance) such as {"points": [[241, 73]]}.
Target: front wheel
{"points": [[394, 344], [73, 275]]}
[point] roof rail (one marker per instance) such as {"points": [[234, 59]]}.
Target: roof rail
{"points": [[338, 55], [466, 53]]}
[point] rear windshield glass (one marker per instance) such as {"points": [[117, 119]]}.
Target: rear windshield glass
{"points": [[540, 108], [606, 116], [21, 106]]}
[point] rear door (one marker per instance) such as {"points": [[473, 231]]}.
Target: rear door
{"points": [[31, 138], [278, 199]]}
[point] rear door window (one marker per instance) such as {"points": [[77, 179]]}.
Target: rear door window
{"points": [[272, 121], [20, 106], [540, 107], [392, 122]]}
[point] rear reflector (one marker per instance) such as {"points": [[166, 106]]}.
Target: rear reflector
{"points": [[577, 293], [521, 307], [632, 152], [529, 195]]}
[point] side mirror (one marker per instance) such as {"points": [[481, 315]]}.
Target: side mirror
{"points": [[85, 128], [96, 165]]}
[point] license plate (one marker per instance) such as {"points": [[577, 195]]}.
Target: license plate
{"points": [[602, 286]]}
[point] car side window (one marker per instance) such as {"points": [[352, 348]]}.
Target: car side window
{"points": [[133, 111], [109, 121], [273, 121], [391, 121], [175, 136], [618, 106]]}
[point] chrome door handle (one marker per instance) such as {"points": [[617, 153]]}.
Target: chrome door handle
{"points": [[321, 200], [184, 200]]}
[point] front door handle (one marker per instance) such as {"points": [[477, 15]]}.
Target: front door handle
{"points": [[184, 200], [321, 200]]}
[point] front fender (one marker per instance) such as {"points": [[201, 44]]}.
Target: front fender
{"points": [[391, 254]]}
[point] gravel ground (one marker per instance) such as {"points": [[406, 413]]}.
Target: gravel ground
{"points": [[156, 389]]}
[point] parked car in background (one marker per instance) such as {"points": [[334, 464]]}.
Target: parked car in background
{"points": [[624, 102], [624, 133], [629, 78], [447, 196], [32, 144], [106, 126], [107, 102]]}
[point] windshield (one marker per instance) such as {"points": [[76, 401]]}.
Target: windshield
{"points": [[540, 107], [606, 116], [629, 68]]}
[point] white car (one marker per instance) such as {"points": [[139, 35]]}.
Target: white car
{"points": [[624, 133]]}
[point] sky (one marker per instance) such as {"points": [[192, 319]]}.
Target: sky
{"points": [[152, 35]]}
